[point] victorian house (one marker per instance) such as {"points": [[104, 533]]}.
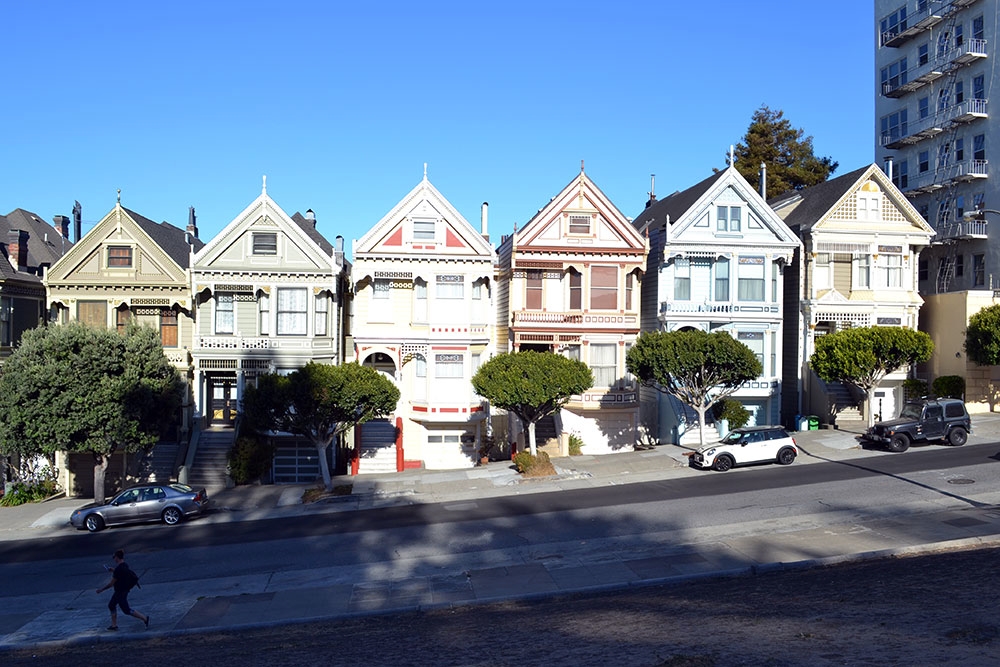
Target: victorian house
{"points": [[858, 267], [268, 296], [569, 283], [129, 269], [717, 259], [423, 315]]}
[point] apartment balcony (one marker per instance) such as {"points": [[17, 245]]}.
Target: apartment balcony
{"points": [[961, 230], [448, 409], [917, 77], [246, 343], [958, 172], [933, 125], [575, 320], [921, 20], [711, 309]]}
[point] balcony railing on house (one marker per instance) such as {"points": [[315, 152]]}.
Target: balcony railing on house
{"points": [[573, 320], [668, 308], [914, 18], [934, 124], [243, 343], [961, 230], [917, 77], [950, 174]]}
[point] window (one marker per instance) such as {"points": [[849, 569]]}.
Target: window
{"points": [[629, 284], [894, 270], [959, 206], [265, 243], [925, 211], [959, 149], [821, 271], [922, 272], [120, 257], [603, 362], [977, 28], [978, 87], [944, 155], [894, 75], [944, 212], [572, 352], [978, 270], [868, 205], [979, 147], [682, 280], [264, 314], [533, 290], [755, 341], [450, 287], [922, 55], [381, 287], [864, 274], [604, 288], [722, 280], [959, 92], [579, 224], [168, 327], [893, 24], [751, 279], [575, 290], [728, 218], [224, 313], [448, 365], [419, 300], [423, 230], [923, 107], [900, 175], [894, 126], [6, 307], [959, 35], [959, 265], [123, 316], [322, 312], [420, 366], [477, 290], [943, 42], [293, 311]]}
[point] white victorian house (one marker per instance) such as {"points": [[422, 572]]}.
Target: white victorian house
{"points": [[717, 259], [423, 315]]}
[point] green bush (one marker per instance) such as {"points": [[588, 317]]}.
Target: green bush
{"points": [[949, 386], [249, 459], [38, 487], [575, 444], [527, 464], [732, 411], [914, 388]]}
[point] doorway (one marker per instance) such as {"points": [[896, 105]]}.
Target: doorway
{"points": [[222, 402]]}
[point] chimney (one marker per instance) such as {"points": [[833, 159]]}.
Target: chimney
{"points": [[61, 223], [888, 166], [17, 248], [485, 217], [652, 191], [311, 217], [763, 181], [338, 252], [192, 227], [77, 221]]}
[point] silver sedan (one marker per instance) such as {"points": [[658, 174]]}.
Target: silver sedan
{"points": [[169, 503]]}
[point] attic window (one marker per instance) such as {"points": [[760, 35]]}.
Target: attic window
{"points": [[120, 257], [423, 230], [579, 224], [265, 244]]}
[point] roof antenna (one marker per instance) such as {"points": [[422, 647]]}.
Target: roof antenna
{"points": [[581, 166], [263, 187], [732, 158], [119, 195], [425, 171]]}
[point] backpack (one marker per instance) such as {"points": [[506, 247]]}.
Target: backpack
{"points": [[131, 579]]}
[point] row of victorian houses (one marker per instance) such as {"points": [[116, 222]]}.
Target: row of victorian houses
{"points": [[428, 298]]}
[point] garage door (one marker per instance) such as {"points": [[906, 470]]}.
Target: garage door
{"points": [[296, 463]]}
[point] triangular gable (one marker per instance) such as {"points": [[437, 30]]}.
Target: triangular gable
{"points": [[897, 213], [581, 215]]}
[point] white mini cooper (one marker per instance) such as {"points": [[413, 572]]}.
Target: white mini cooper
{"points": [[752, 444]]}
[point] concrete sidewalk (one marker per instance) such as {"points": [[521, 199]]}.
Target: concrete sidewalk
{"points": [[488, 575]]}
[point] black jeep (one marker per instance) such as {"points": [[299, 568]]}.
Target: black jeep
{"points": [[922, 420]]}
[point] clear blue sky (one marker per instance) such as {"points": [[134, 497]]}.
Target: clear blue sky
{"points": [[186, 103]]}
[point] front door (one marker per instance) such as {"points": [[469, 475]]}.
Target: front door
{"points": [[223, 407]]}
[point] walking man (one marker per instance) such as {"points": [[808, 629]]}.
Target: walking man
{"points": [[122, 580]]}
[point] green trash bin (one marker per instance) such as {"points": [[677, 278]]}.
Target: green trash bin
{"points": [[813, 423]]}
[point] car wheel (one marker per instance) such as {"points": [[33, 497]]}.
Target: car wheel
{"points": [[722, 463], [94, 523], [899, 443], [958, 436], [172, 516], [786, 456]]}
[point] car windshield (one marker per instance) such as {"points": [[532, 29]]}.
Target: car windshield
{"points": [[911, 411], [734, 437]]}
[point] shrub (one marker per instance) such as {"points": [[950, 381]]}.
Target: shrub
{"points": [[949, 386], [575, 444], [249, 459], [38, 486], [732, 411], [914, 388], [533, 466]]}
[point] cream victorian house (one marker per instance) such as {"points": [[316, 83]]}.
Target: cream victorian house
{"points": [[423, 315], [569, 283], [717, 262], [858, 267]]}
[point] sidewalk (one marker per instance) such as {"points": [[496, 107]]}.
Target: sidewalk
{"points": [[488, 575]]}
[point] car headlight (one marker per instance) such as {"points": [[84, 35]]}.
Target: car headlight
{"points": [[710, 452]]}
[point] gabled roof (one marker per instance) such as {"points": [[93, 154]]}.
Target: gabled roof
{"points": [[677, 204], [172, 240], [309, 227], [45, 243]]}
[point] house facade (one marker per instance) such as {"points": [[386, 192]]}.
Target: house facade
{"points": [[717, 262], [861, 244], [569, 283], [424, 316], [268, 296]]}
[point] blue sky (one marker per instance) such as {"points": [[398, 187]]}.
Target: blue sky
{"points": [[340, 104]]}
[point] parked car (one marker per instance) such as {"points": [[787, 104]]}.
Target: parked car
{"points": [[751, 444], [923, 420], [169, 503]]}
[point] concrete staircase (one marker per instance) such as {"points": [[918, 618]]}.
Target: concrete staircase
{"points": [[158, 463], [842, 403], [377, 447], [211, 459], [546, 435], [691, 438]]}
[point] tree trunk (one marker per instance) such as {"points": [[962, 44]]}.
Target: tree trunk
{"points": [[324, 465], [701, 424], [531, 439], [100, 468], [870, 406]]}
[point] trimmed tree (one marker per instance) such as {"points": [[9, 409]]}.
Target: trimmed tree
{"points": [[532, 385], [982, 337], [862, 357], [319, 402], [697, 368], [83, 389]]}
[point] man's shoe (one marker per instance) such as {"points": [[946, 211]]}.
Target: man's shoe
{"points": [[112, 627], [147, 622]]}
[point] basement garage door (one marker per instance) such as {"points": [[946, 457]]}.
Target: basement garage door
{"points": [[295, 462]]}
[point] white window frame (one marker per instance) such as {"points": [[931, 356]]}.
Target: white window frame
{"points": [[293, 311], [322, 301], [424, 230], [449, 286], [225, 313], [604, 365], [451, 366], [264, 310]]}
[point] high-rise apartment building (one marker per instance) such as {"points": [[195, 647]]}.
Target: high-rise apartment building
{"points": [[935, 70]]}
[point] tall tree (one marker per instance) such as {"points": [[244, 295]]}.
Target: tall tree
{"points": [[864, 356], [76, 388], [319, 402], [982, 337], [532, 385], [697, 368], [791, 164]]}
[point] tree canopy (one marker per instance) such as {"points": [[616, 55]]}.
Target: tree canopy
{"points": [[698, 368], [319, 402], [982, 337], [77, 388], [862, 357], [788, 155], [532, 385]]}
